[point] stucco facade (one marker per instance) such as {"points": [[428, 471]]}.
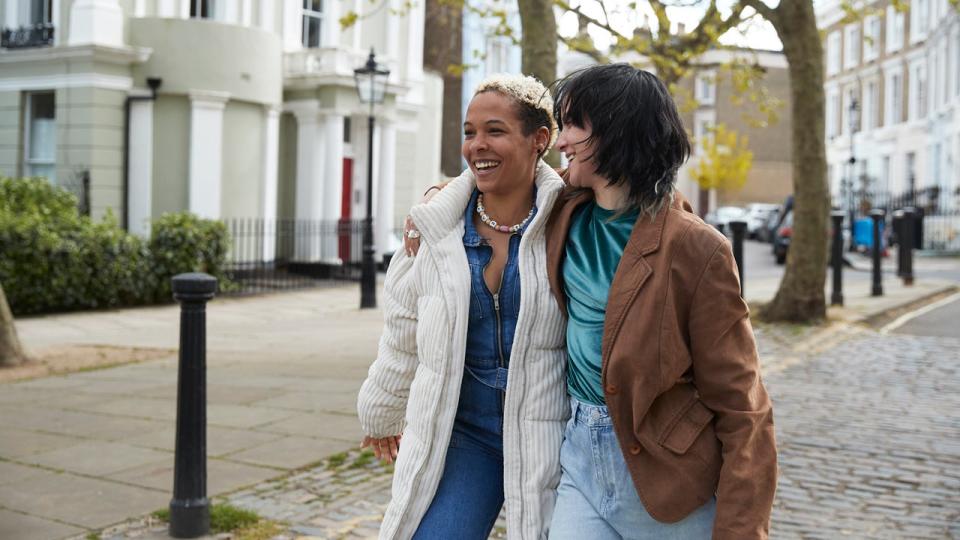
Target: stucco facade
{"points": [[256, 114], [893, 97]]}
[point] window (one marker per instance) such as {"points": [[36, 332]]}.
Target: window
{"points": [[497, 57], [872, 26], [870, 102], [911, 171], [202, 9], [919, 20], [885, 175], [833, 53], [851, 116], [40, 139], [833, 109], [917, 108], [40, 12], [347, 129], [935, 158], [706, 89], [895, 22], [851, 46], [894, 92], [312, 22]]}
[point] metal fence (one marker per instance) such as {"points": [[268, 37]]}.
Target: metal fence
{"points": [[275, 255], [939, 209]]}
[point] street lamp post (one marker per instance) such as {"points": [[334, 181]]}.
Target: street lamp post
{"points": [[852, 208], [371, 80]]}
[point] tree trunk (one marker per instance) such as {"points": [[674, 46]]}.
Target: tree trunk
{"points": [[800, 297], [443, 48], [11, 354], [539, 40]]}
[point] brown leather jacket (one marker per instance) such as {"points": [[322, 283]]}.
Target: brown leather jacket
{"points": [[680, 371]]}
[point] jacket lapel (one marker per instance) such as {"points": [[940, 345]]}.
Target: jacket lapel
{"points": [[557, 229], [633, 272]]}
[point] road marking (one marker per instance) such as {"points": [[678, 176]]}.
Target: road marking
{"points": [[907, 317]]}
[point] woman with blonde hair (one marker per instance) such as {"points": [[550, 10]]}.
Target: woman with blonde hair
{"points": [[470, 368]]}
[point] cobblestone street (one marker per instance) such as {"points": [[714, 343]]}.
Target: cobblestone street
{"points": [[868, 428]]}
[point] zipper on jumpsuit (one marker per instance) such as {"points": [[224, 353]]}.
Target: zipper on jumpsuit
{"points": [[501, 363]]}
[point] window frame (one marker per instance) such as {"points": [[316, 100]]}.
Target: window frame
{"points": [[311, 14], [852, 36], [29, 162]]}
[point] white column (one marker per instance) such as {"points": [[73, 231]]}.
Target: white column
{"points": [[309, 192], [228, 11], [330, 35], [12, 19], [206, 152], [246, 13], [385, 188], [98, 22], [267, 15], [332, 180], [168, 8], [140, 167], [415, 20], [57, 21], [140, 8], [271, 151], [292, 25]]}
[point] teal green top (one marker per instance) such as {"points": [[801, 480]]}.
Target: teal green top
{"points": [[594, 247]]}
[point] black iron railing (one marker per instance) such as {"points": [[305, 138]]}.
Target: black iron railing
{"points": [[274, 255], [938, 210], [37, 35]]}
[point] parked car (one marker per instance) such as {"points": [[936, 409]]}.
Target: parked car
{"points": [[781, 240], [770, 225], [724, 215], [757, 214]]}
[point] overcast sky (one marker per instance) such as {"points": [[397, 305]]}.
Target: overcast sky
{"points": [[757, 34]]}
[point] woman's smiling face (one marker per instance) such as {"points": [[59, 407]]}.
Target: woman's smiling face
{"points": [[494, 145], [575, 144]]}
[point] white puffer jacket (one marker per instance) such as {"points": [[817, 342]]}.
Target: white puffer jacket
{"points": [[413, 386]]}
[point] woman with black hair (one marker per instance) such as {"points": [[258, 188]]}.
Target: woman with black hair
{"points": [[671, 430]]}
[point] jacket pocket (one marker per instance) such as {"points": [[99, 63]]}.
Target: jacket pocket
{"points": [[680, 434]]}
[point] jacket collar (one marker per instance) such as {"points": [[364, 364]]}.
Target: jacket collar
{"points": [[444, 212]]}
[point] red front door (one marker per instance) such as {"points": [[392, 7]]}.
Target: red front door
{"points": [[346, 196]]}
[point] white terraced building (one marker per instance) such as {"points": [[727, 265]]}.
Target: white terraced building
{"points": [[893, 93], [256, 114]]}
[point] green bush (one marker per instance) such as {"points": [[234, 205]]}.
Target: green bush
{"points": [[54, 259], [182, 242]]}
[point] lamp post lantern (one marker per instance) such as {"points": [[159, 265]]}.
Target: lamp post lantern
{"points": [[371, 80], [851, 191]]}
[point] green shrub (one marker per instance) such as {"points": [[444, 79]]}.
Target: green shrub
{"points": [[54, 259], [183, 242]]}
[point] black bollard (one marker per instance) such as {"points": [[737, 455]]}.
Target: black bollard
{"points": [[189, 508], [877, 216], [836, 258], [721, 228], [908, 228], [739, 229]]}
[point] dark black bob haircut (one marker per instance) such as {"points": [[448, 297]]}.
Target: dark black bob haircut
{"points": [[637, 135]]}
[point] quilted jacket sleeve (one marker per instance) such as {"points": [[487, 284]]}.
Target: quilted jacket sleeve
{"points": [[383, 396]]}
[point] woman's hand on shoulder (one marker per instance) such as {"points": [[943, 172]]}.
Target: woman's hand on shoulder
{"points": [[411, 235], [385, 448]]}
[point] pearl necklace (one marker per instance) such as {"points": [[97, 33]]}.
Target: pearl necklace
{"points": [[494, 225]]}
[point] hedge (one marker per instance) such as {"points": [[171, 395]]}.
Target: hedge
{"points": [[54, 259]]}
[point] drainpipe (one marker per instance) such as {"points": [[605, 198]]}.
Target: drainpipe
{"points": [[154, 83]]}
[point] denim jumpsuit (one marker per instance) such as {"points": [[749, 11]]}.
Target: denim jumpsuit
{"points": [[470, 493]]}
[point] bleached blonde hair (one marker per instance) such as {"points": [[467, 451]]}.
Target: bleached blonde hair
{"points": [[528, 92]]}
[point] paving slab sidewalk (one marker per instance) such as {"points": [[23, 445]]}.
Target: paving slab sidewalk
{"points": [[87, 450]]}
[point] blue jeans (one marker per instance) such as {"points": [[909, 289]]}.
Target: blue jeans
{"points": [[596, 498], [470, 493]]}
